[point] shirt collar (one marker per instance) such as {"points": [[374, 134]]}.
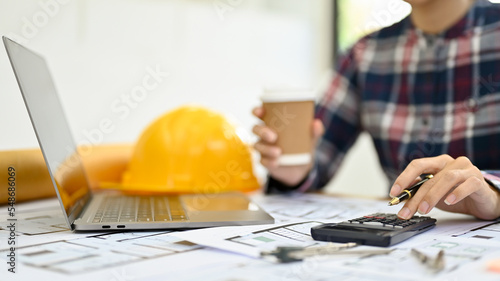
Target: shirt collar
{"points": [[466, 24]]}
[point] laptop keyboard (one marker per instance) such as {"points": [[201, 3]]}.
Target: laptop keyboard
{"points": [[140, 209]]}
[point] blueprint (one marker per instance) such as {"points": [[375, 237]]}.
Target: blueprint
{"points": [[49, 251]]}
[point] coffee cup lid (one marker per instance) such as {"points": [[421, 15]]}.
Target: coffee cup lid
{"points": [[287, 95]]}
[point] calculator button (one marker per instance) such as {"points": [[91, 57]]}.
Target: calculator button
{"points": [[373, 223], [384, 221]]}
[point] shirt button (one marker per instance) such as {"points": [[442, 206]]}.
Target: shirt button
{"points": [[472, 105]]}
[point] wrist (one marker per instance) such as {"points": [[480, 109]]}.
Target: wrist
{"points": [[492, 212], [296, 183], [292, 175], [496, 195]]}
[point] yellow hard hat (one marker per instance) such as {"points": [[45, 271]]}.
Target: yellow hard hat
{"points": [[190, 150]]}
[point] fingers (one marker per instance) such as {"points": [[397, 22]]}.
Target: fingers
{"points": [[458, 179], [467, 188], [266, 134], [267, 150], [431, 193], [269, 154], [430, 165], [269, 163], [267, 147], [258, 112], [424, 200]]}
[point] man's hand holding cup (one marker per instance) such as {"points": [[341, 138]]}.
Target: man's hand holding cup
{"points": [[289, 135]]}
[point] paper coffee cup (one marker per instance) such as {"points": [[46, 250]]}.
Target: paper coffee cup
{"points": [[290, 113]]}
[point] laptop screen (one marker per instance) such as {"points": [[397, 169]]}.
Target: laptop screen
{"points": [[51, 127]]}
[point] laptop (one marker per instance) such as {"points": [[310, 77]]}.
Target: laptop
{"points": [[90, 210]]}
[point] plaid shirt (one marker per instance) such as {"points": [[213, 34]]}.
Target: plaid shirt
{"points": [[417, 95]]}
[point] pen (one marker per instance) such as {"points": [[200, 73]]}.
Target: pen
{"points": [[409, 192]]}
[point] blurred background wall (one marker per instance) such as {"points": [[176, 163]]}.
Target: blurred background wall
{"points": [[215, 53]]}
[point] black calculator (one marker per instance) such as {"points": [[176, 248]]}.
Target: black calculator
{"points": [[378, 229]]}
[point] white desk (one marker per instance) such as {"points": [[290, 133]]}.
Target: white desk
{"points": [[48, 251]]}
